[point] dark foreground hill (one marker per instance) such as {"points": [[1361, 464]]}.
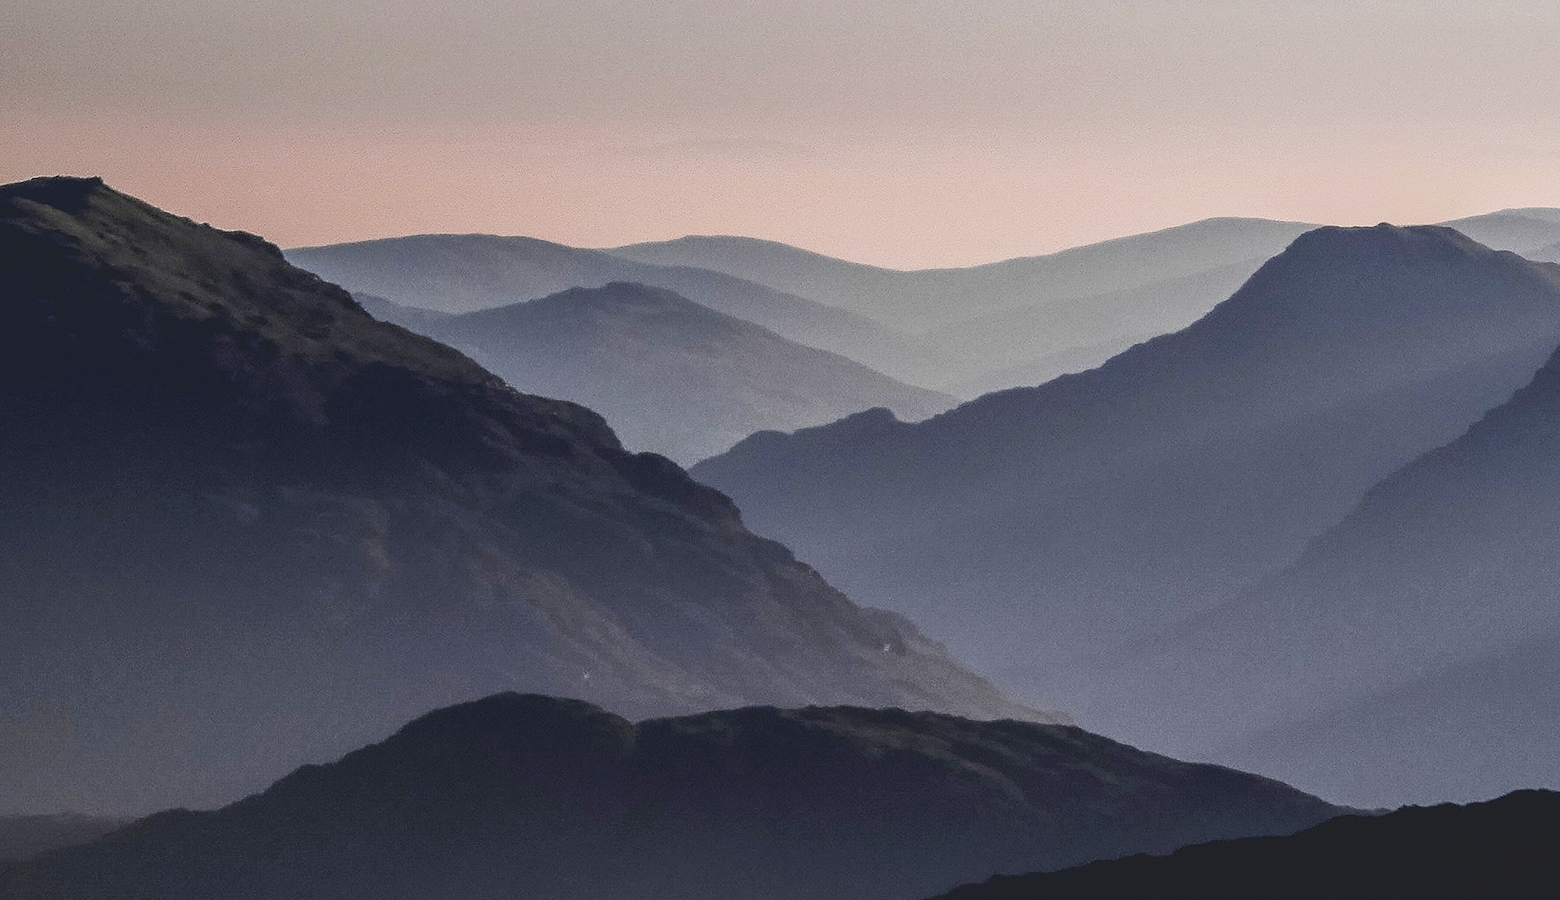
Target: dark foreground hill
{"points": [[246, 525], [532, 797], [25, 836], [1041, 530], [1507, 848], [672, 376]]}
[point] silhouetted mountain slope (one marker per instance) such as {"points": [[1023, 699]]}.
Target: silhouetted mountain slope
{"points": [[1083, 332], [526, 796], [22, 837], [1038, 528], [932, 298], [671, 376], [1504, 848], [1434, 599], [465, 273], [246, 524]]}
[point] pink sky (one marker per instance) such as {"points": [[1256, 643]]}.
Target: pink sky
{"points": [[907, 134]]}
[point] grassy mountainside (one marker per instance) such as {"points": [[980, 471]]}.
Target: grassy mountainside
{"points": [[248, 525]]}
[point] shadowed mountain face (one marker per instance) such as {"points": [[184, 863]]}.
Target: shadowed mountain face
{"points": [[671, 376], [1040, 529], [1504, 848], [245, 524], [525, 796], [466, 273], [1419, 636]]}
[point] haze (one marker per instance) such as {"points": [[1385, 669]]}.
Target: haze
{"points": [[908, 134]]}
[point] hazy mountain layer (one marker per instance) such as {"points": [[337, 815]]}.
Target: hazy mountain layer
{"points": [[1025, 321], [1518, 230], [465, 273], [245, 525], [1504, 848], [1401, 630], [1040, 528], [1032, 344], [672, 377], [526, 796], [932, 298]]}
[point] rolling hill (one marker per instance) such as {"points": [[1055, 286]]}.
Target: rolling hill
{"points": [[527, 796]]}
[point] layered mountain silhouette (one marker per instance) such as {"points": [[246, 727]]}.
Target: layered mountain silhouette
{"points": [[1043, 530], [671, 376], [1021, 321], [528, 796], [1522, 231], [1024, 321], [466, 273], [1503, 848], [1419, 636], [1036, 342], [246, 525], [928, 299]]}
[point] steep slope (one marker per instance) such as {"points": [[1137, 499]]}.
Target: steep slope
{"points": [[932, 298], [526, 796], [672, 377], [1504, 848], [245, 524], [1428, 606], [466, 273], [1039, 529]]}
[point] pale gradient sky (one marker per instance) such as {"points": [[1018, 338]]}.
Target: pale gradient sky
{"points": [[903, 133]]}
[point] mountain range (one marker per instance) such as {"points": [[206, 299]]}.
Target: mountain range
{"points": [[926, 300], [672, 376], [528, 796], [247, 525], [1045, 532], [1502, 848], [964, 331], [466, 273]]}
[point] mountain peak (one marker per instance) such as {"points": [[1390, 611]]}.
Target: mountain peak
{"points": [[1384, 237], [64, 192]]}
